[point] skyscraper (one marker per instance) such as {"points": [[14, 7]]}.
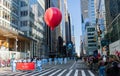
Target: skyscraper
{"points": [[88, 27]]}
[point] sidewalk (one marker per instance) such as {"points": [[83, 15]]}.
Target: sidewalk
{"points": [[5, 69]]}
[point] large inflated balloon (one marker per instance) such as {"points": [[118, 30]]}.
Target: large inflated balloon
{"points": [[52, 17]]}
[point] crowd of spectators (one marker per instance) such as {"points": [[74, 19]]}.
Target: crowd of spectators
{"points": [[104, 65]]}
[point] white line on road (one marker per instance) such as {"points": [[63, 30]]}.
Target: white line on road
{"points": [[47, 72], [91, 73], [68, 74], [72, 65], [83, 73], [76, 73], [62, 72], [41, 72], [55, 72]]}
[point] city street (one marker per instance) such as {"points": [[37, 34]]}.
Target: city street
{"points": [[72, 68]]}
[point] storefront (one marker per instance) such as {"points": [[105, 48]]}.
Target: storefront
{"points": [[13, 44], [114, 47]]}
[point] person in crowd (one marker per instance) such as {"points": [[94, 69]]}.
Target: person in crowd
{"points": [[112, 67], [50, 60], [13, 64], [39, 64], [55, 61], [35, 61], [65, 60], [101, 67]]}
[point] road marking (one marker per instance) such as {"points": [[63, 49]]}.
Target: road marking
{"points": [[28, 73], [76, 73], [68, 74], [55, 72], [72, 65], [83, 73], [42, 71], [91, 73], [47, 72], [62, 72]]}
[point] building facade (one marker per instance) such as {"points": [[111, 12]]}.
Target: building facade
{"points": [[19, 34], [112, 24], [89, 42]]}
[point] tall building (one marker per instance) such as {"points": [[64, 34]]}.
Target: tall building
{"points": [[112, 24], [91, 12], [88, 27], [101, 24], [62, 28], [84, 10], [21, 35], [38, 11]]}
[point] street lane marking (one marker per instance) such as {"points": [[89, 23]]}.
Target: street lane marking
{"points": [[76, 73], [28, 73], [83, 73], [55, 72], [47, 72], [42, 71], [68, 74], [91, 73], [72, 65], [62, 72]]}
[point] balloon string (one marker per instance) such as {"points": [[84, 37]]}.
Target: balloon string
{"points": [[52, 28]]}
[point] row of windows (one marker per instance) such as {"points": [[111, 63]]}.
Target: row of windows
{"points": [[23, 13], [90, 29], [6, 15], [13, 8], [90, 34], [90, 37], [23, 23], [91, 41], [23, 3], [92, 45], [6, 4]]}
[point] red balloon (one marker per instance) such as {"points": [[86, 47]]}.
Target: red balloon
{"points": [[52, 17]]}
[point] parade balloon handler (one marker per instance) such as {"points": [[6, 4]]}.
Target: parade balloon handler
{"points": [[65, 60], [55, 61], [13, 64], [50, 60], [39, 64]]}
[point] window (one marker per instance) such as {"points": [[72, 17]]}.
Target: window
{"points": [[90, 37], [14, 21], [23, 23], [90, 29], [91, 41], [92, 45], [24, 13], [23, 3], [90, 33], [15, 10]]}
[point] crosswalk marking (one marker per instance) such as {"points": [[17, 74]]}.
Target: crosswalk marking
{"points": [[72, 65], [55, 72], [47, 72], [91, 73], [42, 71], [76, 73], [83, 73], [52, 72], [28, 73], [68, 74], [62, 72]]}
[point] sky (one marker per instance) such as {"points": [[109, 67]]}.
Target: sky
{"points": [[74, 9]]}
